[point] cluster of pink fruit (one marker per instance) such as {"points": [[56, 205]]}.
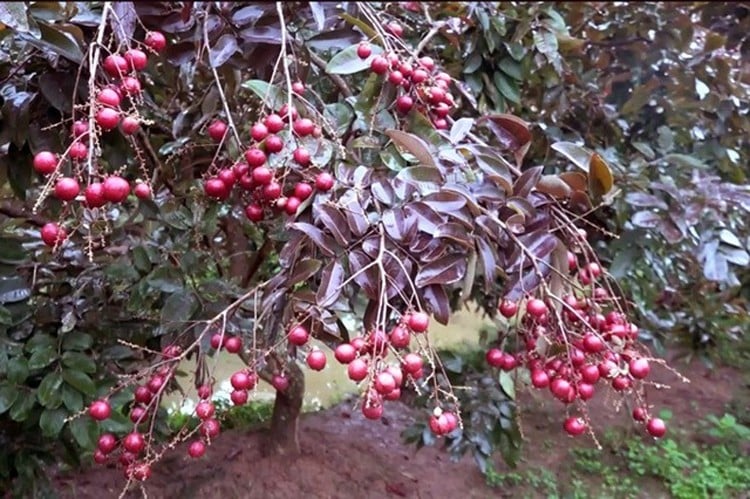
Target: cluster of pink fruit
{"points": [[122, 71], [421, 85], [591, 347], [262, 187]]}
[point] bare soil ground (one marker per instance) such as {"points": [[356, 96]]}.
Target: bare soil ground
{"points": [[346, 456]]}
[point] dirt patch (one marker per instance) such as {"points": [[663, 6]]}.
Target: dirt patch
{"points": [[344, 455]]}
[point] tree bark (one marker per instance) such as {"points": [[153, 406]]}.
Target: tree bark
{"points": [[283, 437]]}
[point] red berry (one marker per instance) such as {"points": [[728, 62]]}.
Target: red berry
{"points": [[536, 308], [639, 368], [656, 428], [107, 118], [419, 76], [640, 414], [585, 391], [197, 449], [259, 131], [142, 394], [385, 383], [592, 343], [254, 212], [204, 410], [399, 337], [215, 188], [156, 383], [345, 353], [116, 189], [316, 359], [508, 308], [495, 357], [142, 190], [302, 191], [130, 85], [216, 130], [291, 206], [210, 428], [255, 157], [216, 341], [412, 363], [404, 104], [574, 426], [304, 127], [274, 123], [560, 388], [137, 59], [395, 29], [226, 175], [67, 189], [373, 410], [280, 383], [324, 181], [302, 156], [129, 125], [396, 77], [100, 410], [238, 397], [418, 322], [298, 87], [274, 144], [233, 344], [590, 373], [272, 191], [357, 370], [204, 391], [364, 50], [134, 442], [115, 65], [155, 40], [539, 378], [137, 415], [241, 380], [107, 443], [80, 128], [621, 383], [108, 97], [379, 65]]}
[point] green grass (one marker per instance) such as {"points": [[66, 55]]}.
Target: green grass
{"points": [[678, 467]]}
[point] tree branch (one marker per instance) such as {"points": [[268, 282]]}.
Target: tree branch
{"points": [[9, 209]]}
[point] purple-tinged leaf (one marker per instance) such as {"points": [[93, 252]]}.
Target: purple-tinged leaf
{"points": [[527, 181], [333, 220], [520, 206], [444, 202], [460, 129], [414, 145], [427, 219], [371, 245], [670, 231], [397, 281], [554, 186], [519, 287], [368, 280], [123, 22], [578, 155], [250, 14], [421, 243], [425, 179], [495, 170], [492, 229], [330, 287], [461, 190], [488, 259], [438, 303], [355, 215], [446, 270], [434, 250], [290, 252], [455, 232], [538, 244], [646, 219], [303, 270], [641, 199], [324, 242], [383, 191], [319, 14], [223, 50], [262, 34]]}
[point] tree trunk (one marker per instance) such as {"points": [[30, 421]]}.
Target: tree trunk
{"points": [[283, 437]]}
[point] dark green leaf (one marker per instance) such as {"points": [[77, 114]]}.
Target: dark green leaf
{"points": [[507, 87], [72, 398], [179, 308], [84, 431], [22, 407], [42, 358], [8, 396], [76, 340], [18, 370], [348, 62], [80, 381], [272, 95], [49, 393], [52, 421], [79, 362]]}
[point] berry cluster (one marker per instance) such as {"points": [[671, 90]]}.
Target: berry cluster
{"points": [[267, 190], [420, 84], [589, 344], [108, 107]]}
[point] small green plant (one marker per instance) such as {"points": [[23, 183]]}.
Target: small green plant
{"points": [[249, 415]]}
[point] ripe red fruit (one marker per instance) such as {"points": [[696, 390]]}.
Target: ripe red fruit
{"points": [[107, 118], [291, 206], [197, 449], [115, 65], [399, 337], [127, 458], [52, 234], [216, 130], [372, 410], [536, 308], [357, 370], [539, 378], [138, 471], [509, 362], [345, 353], [241, 380], [156, 383], [274, 123], [508, 308], [418, 322], [67, 189], [302, 191], [94, 195], [238, 397], [116, 189], [298, 335], [395, 29], [393, 395], [106, 443], [233, 344], [419, 76], [379, 65], [298, 87], [396, 77], [215, 188], [255, 157], [142, 394], [560, 388], [639, 368], [656, 428], [80, 128], [272, 191], [137, 59], [155, 40], [585, 391], [284, 112], [316, 359], [254, 212], [137, 415], [495, 357], [108, 97], [574, 426], [274, 144], [129, 125], [620, 383], [404, 104], [303, 127], [589, 373], [324, 181], [364, 50], [640, 414], [302, 156], [592, 343], [435, 95], [204, 391], [45, 162], [142, 190], [280, 383], [385, 383], [216, 341], [440, 124], [204, 410], [130, 85], [259, 131], [412, 363], [134, 442], [210, 428]]}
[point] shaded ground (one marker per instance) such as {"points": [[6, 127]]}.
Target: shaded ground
{"points": [[346, 456]]}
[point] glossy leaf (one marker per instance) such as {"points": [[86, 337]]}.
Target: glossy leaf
{"points": [[348, 62], [322, 241], [414, 145], [447, 270], [578, 155], [330, 287], [600, 177]]}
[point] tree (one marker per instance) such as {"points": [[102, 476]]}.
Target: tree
{"points": [[294, 167]]}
